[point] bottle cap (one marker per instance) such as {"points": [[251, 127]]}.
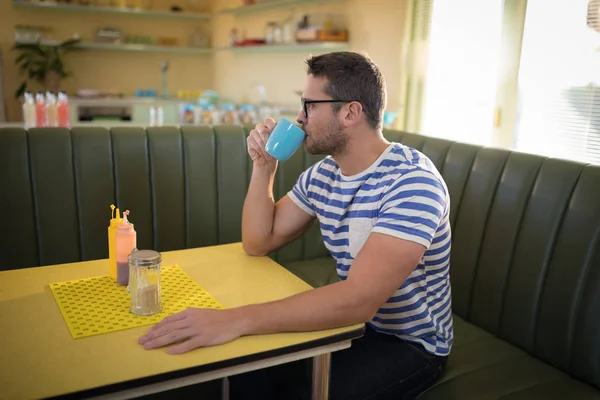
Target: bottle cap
{"points": [[125, 225], [115, 221], [144, 258]]}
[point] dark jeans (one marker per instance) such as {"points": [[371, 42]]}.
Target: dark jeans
{"points": [[376, 367]]}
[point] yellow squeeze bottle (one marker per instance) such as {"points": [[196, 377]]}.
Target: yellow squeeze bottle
{"points": [[112, 242]]}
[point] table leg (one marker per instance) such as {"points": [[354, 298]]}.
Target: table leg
{"points": [[320, 376], [225, 389]]}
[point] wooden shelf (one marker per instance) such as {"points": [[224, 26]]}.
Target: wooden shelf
{"points": [[74, 8], [289, 48], [272, 5], [142, 48]]}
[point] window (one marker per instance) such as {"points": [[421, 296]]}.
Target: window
{"points": [[462, 71], [558, 112]]}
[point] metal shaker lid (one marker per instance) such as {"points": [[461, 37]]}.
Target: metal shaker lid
{"points": [[144, 258]]}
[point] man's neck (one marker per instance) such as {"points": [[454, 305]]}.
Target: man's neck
{"points": [[361, 152]]}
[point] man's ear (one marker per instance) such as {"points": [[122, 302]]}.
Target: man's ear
{"points": [[352, 113]]}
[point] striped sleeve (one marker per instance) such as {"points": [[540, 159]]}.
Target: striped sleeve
{"points": [[299, 193], [413, 207]]}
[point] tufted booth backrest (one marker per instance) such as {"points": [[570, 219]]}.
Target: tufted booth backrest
{"points": [[525, 261], [185, 188]]}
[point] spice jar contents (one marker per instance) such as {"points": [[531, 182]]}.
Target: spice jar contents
{"points": [[147, 300], [144, 282]]}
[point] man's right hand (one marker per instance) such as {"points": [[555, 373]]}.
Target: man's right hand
{"points": [[257, 140]]}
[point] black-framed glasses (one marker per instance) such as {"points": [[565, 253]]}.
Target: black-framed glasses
{"points": [[305, 102]]}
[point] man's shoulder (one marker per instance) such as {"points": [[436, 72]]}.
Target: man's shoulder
{"points": [[403, 161], [410, 158], [406, 168]]}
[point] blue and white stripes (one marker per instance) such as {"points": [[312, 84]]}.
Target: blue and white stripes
{"points": [[401, 195]]}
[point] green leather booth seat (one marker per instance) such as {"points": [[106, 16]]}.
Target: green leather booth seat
{"points": [[525, 263], [184, 187]]}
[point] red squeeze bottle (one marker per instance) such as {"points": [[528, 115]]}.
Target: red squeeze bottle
{"points": [[40, 110], [125, 243], [64, 112]]}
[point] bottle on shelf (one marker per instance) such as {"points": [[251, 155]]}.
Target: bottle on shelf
{"points": [[64, 111], [288, 27], [234, 37], [51, 110], [157, 115], [125, 243], [160, 115], [152, 118], [270, 32], [40, 110], [29, 117]]}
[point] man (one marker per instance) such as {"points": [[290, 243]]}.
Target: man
{"points": [[383, 212]]}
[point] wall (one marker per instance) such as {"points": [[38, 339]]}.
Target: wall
{"points": [[107, 70], [376, 26]]}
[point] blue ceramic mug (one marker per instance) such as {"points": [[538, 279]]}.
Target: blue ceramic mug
{"points": [[285, 139]]}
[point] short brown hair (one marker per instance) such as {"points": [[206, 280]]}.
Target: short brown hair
{"points": [[352, 77]]}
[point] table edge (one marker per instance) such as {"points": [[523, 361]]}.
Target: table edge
{"points": [[181, 373]]}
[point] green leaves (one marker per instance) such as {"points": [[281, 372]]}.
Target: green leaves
{"points": [[19, 92], [36, 60], [33, 48]]}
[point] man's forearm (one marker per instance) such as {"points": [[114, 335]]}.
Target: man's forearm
{"points": [[331, 306], [258, 211]]}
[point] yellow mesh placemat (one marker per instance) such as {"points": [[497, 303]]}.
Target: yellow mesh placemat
{"points": [[92, 306]]}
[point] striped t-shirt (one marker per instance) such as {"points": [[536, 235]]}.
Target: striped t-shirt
{"points": [[403, 195]]}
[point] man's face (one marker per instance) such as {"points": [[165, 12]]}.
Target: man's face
{"points": [[324, 130]]}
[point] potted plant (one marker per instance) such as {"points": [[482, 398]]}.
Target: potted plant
{"points": [[43, 63]]}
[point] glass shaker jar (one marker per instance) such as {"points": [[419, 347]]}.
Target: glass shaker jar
{"points": [[144, 282]]}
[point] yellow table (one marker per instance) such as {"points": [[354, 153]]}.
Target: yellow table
{"points": [[39, 358]]}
